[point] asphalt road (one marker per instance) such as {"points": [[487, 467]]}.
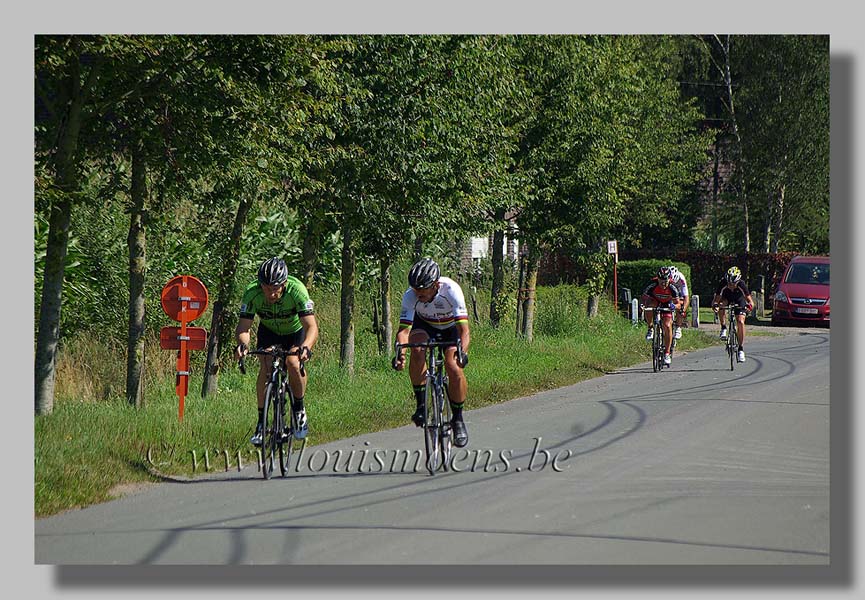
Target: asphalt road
{"points": [[693, 465]]}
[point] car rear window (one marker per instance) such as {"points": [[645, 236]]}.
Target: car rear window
{"points": [[808, 273]]}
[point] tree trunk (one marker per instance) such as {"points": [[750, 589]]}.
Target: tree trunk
{"points": [[376, 325], [592, 305], [532, 268], [497, 253], [770, 217], [715, 189], [418, 248], [66, 179], [521, 289], [740, 163], [346, 333], [311, 243], [386, 314], [219, 320], [135, 242], [49, 309], [746, 219], [779, 219]]}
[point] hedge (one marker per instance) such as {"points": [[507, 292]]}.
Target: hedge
{"points": [[708, 268], [702, 270], [636, 274]]}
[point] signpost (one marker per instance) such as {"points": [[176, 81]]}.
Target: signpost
{"points": [[184, 299], [612, 248]]}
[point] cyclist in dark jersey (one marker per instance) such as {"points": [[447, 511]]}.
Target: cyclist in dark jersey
{"points": [[733, 292], [661, 293], [286, 319]]}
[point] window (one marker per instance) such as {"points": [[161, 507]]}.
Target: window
{"points": [[808, 273]]}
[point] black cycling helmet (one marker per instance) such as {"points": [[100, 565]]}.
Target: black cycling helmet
{"points": [[664, 274], [272, 272], [423, 274]]}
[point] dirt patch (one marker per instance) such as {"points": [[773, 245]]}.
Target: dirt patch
{"points": [[787, 330], [127, 489]]}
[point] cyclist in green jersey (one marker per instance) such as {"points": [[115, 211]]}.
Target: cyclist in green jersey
{"points": [[286, 319]]}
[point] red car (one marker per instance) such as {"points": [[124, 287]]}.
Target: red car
{"points": [[803, 293]]}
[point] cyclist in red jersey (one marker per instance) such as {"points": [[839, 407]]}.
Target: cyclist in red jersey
{"points": [[661, 293]]}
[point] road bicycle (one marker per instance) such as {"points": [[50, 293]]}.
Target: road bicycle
{"points": [[274, 443], [438, 431], [732, 335], [658, 336]]}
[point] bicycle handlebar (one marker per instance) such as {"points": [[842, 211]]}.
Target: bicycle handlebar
{"points": [[462, 357], [429, 344], [730, 306], [276, 353], [657, 309]]}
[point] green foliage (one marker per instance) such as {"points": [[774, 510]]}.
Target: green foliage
{"points": [[560, 310], [583, 138], [784, 92], [781, 94], [613, 146], [596, 265]]}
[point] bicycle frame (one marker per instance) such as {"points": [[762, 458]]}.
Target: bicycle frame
{"points": [[732, 330], [273, 446], [438, 433], [658, 345]]}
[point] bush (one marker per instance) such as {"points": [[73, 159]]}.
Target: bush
{"points": [[560, 310]]}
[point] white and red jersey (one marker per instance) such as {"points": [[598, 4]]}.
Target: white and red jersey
{"points": [[447, 308], [681, 284]]}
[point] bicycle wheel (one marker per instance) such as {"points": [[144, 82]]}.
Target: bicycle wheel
{"points": [[656, 348], [731, 351], [279, 426], [431, 430], [285, 454], [268, 445], [728, 344], [446, 433]]}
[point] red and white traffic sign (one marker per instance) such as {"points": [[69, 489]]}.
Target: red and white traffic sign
{"points": [[184, 299], [184, 289]]}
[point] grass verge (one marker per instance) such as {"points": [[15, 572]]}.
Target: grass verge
{"points": [[84, 449]]}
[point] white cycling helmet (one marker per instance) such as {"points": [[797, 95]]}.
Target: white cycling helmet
{"points": [[674, 274]]}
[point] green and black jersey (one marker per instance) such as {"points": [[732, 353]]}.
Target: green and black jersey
{"points": [[283, 316]]}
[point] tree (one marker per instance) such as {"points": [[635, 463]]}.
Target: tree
{"points": [[279, 86], [611, 148], [785, 131], [66, 75], [412, 163]]}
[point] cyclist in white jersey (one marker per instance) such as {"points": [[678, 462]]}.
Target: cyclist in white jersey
{"points": [[677, 279], [435, 307]]}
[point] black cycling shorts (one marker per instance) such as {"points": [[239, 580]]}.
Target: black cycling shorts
{"points": [[266, 338], [440, 335]]}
